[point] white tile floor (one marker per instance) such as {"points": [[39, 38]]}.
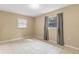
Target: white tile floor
{"points": [[32, 46]]}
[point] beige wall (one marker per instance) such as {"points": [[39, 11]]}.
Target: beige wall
{"points": [[71, 25], [8, 28]]}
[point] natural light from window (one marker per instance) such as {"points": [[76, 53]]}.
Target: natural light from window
{"points": [[22, 23]]}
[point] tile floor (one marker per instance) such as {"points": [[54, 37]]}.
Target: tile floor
{"points": [[33, 46]]}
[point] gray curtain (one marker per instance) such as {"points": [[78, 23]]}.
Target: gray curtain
{"points": [[46, 29], [60, 38]]}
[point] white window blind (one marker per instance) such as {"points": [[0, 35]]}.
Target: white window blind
{"points": [[22, 23]]}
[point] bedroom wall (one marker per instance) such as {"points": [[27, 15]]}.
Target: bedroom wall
{"points": [[71, 26], [8, 28]]}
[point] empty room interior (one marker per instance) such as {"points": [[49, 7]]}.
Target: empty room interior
{"points": [[39, 28]]}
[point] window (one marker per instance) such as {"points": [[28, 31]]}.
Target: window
{"points": [[52, 22], [22, 23]]}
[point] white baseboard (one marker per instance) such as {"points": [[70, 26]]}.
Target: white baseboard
{"points": [[72, 47], [27, 37], [14, 39], [38, 37], [10, 40]]}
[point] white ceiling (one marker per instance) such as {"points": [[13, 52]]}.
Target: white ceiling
{"points": [[24, 9]]}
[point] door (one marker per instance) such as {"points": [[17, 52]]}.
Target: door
{"points": [[50, 28]]}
